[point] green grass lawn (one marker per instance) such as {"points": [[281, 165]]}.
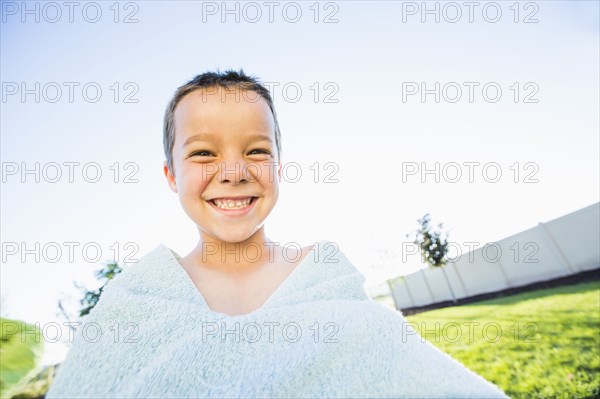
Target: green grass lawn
{"points": [[540, 344]]}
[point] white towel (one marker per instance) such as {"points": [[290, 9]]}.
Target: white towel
{"points": [[318, 335]]}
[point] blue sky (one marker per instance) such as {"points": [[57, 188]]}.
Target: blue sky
{"points": [[359, 127]]}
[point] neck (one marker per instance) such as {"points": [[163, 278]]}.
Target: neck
{"points": [[246, 255]]}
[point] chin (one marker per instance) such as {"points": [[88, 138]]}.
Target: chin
{"points": [[232, 237]]}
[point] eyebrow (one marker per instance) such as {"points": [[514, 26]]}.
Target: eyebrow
{"points": [[209, 137]]}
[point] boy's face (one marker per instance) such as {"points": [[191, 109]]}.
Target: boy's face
{"points": [[225, 147]]}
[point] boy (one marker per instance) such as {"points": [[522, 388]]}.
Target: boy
{"points": [[226, 171], [239, 316]]}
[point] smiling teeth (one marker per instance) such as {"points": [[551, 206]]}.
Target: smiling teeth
{"points": [[228, 204]]}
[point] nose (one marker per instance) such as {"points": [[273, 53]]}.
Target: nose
{"points": [[234, 171]]}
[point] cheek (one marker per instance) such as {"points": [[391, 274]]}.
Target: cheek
{"points": [[266, 175], [193, 180]]}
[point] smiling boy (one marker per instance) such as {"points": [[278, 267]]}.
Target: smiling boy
{"points": [[223, 159], [219, 323]]}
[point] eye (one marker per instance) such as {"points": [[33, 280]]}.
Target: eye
{"points": [[200, 152], [260, 150]]}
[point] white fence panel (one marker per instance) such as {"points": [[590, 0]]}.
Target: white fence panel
{"points": [[578, 237], [455, 280], [529, 257], [418, 288], [479, 275], [401, 295], [438, 284]]}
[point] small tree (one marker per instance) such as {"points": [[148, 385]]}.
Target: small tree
{"points": [[434, 248], [432, 243], [90, 298]]}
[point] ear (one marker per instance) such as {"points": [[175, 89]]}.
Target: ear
{"points": [[170, 177]]}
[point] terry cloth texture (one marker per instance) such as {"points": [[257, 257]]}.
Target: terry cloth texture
{"points": [[152, 335]]}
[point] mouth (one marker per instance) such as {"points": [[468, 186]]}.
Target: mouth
{"points": [[233, 204]]}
